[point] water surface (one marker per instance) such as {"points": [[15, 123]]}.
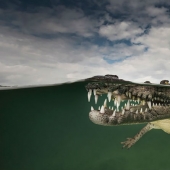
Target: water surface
{"points": [[47, 128]]}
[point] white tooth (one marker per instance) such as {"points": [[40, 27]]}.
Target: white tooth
{"points": [[99, 108], [109, 107], [92, 108], [138, 100], [123, 112], [126, 93], [146, 110], [119, 99], [122, 108], [115, 102], [159, 104], [112, 108], [102, 109], [153, 104], [137, 111], [125, 104], [94, 91], [109, 95], [152, 99], [130, 95], [143, 102], [105, 103], [89, 96], [114, 113], [90, 91], [118, 104], [96, 98], [141, 110], [117, 109], [128, 105], [149, 104], [156, 104]]}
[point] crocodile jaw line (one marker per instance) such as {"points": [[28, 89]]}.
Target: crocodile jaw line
{"points": [[105, 116]]}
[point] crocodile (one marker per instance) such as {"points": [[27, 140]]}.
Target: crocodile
{"points": [[132, 103]]}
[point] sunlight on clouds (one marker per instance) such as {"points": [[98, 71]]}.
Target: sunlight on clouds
{"points": [[120, 30]]}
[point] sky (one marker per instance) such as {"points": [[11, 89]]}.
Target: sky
{"points": [[57, 41]]}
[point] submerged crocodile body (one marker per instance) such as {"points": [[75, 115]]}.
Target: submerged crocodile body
{"points": [[133, 103]]}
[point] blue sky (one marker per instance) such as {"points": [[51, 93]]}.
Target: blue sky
{"points": [[53, 41]]}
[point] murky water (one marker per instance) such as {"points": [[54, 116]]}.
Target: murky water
{"points": [[48, 128]]}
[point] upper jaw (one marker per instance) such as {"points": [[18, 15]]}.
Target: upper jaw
{"points": [[135, 104]]}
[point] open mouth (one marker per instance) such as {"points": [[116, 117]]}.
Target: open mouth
{"points": [[137, 103], [121, 103]]}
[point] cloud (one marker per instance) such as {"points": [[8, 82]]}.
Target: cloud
{"points": [[60, 44], [120, 30], [50, 21]]}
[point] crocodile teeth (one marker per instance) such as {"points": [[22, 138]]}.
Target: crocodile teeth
{"points": [[114, 113], [153, 104], [143, 102], [96, 99], [117, 109], [89, 96], [99, 108], [109, 107], [128, 105], [138, 100], [102, 109], [118, 98], [149, 104], [146, 110], [92, 108], [94, 91], [159, 104], [105, 103], [109, 95], [130, 95], [115, 102], [141, 110], [123, 112], [118, 104], [112, 108], [90, 91], [137, 111]]}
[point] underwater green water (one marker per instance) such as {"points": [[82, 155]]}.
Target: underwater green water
{"points": [[48, 128]]}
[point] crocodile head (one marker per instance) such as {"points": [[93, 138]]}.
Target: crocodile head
{"points": [[129, 102]]}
